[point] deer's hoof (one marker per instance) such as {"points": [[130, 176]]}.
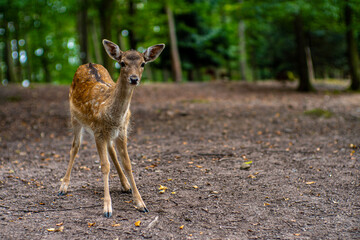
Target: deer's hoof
{"points": [[127, 191], [61, 193], [144, 210], [107, 214]]}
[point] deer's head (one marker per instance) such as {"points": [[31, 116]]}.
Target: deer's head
{"points": [[132, 62]]}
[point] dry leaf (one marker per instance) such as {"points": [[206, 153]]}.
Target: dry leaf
{"points": [[181, 227], [116, 225], [91, 224], [137, 224], [162, 191], [162, 187], [266, 204], [51, 229], [195, 187], [297, 234], [60, 229], [59, 224], [173, 192], [312, 182]]}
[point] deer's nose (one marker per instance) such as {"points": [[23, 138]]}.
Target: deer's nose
{"points": [[134, 80]]}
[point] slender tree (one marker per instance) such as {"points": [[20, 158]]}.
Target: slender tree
{"points": [[301, 45], [132, 19], [106, 11], [352, 52], [176, 64], [83, 36], [242, 48]]}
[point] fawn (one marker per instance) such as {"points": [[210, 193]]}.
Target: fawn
{"points": [[102, 106]]}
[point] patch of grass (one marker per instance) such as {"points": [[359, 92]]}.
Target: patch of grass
{"points": [[318, 112], [197, 101], [14, 99]]}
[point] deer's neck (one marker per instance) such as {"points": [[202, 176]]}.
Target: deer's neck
{"points": [[120, 100]]}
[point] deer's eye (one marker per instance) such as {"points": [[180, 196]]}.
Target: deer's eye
{"points": [[122, 64], [143, 64]]}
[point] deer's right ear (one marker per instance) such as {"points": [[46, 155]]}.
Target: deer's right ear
{"points": [[112, 50]]}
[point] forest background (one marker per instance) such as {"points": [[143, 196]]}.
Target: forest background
{"points": [[248, 40]]}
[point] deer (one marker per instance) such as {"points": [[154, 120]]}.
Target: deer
{"points": [[100, 105]]}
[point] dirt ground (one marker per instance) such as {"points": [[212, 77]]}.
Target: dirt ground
{"points": [[303, 151]]}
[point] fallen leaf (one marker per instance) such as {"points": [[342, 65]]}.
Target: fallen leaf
{"points": [[60, 229], [162, 187], [266, 204], [181, 227], [116, 225], [59, 224], [312, 182], [173, 192], [297, 234], [137, 224], [195, 187], [162, 191], [198, 166], [91, 224], [251, 176]]}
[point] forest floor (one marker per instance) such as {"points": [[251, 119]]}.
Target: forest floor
{"points": [[302, 148]]}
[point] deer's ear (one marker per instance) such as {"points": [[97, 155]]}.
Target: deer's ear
{"points": [[153, 52], [112, 50]]}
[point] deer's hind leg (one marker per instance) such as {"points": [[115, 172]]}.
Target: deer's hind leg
{"points": [[77, 128], [121, 145], [123, 179]]}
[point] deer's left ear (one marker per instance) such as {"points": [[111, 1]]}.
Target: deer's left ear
{"points": [[153, 52], [112, 50]]}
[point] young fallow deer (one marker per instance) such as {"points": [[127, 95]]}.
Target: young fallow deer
{"points": [[102, 106]]}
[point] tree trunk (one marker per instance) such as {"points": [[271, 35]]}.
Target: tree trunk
{"points": [[83, 37], [303, 71], [28, 63], [45, 65], [176, 64], [352, 53], [309, 64], [242, 49], [10, 72], [131, 12], [105, 11]]}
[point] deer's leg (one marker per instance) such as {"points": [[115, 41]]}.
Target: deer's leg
{"points": [[102, 147], [77, 128], [123, 179], [121, 144]]}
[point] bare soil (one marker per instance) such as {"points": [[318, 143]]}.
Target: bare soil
{"points": [[303, 151]]}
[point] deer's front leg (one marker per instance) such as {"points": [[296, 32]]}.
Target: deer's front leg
{"points": [[105, 169], [121, 144]]}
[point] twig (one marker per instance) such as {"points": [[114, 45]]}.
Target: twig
{"points": [[152, 222]]}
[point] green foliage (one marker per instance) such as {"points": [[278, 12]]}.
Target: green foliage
{"points": [[39, 39]]}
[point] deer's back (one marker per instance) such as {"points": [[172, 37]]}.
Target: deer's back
{"points": [[89, 91]]}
